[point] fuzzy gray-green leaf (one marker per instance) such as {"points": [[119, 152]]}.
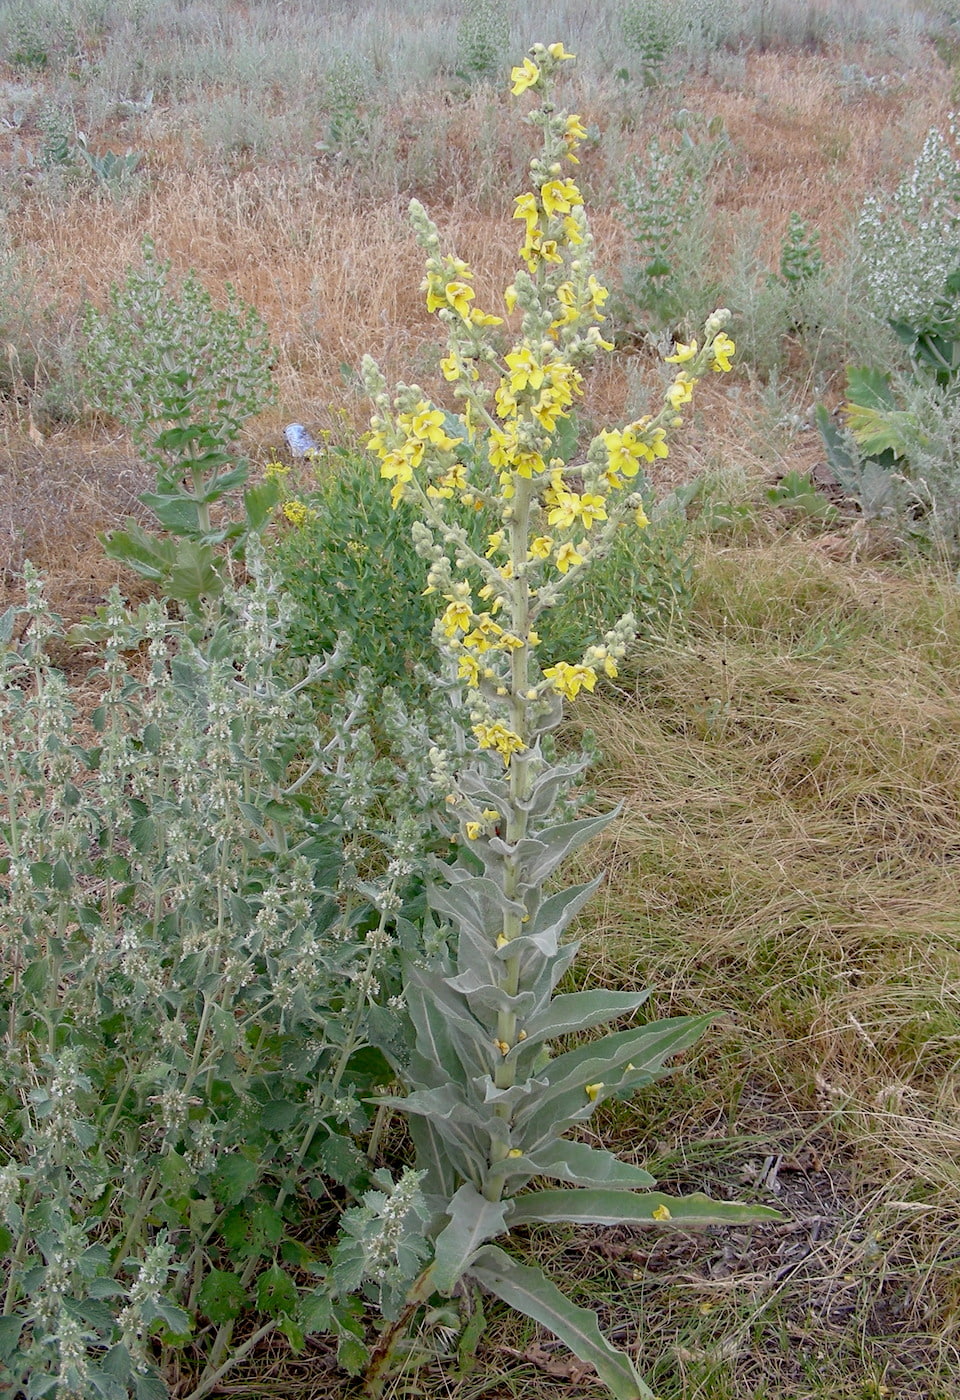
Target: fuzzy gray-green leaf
{"points": [[530, 1291], [473, 1221], [601, 1206]]}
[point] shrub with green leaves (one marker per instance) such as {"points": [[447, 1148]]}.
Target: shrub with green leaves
{"points": [[911, 252], [800, 257], [483, 37], [349, 565], [188, 959]]}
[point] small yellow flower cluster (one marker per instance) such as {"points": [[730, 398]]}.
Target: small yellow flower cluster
{"points": [[402, 449], [298, 512], [294, 510]]}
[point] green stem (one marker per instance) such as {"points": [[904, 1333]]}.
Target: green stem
{"points": [[210, 1378], [379, 1368]]}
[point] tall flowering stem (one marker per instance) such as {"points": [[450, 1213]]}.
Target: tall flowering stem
{"points": [[488, 1102]]}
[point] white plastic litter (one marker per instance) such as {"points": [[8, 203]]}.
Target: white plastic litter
{"points": [[299, 440]]}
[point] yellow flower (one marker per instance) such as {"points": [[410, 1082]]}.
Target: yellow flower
{"points": [[723, 347], [559, 53], [527, 209], [523, 77], [592, 1090], [496, 736], [276, 471], [573, 133], [457, 617], [483, 318], [490, 814], [525, 373], [570, 680], [681, 353], [473, 830], [540, 547], [459, 295], [468, 669], [662, 1213], [425, 424], [568, 555], [681, 390], [564, 512], [560, 196], [598, 295], [640, 517], [451, 367], [510, 297]]}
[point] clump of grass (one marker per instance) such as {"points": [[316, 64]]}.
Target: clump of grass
{"points": [[786, 858]]}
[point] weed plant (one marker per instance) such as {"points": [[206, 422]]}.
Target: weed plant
{"points": [[190, 953], [182, 376], [666, 210]]}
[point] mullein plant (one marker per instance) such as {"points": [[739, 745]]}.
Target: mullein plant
{"points": [[489, 1097]]}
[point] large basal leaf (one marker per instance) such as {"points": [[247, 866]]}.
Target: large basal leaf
{"points": [[195, 575], [610, 1207], [530, 1292], [150, 557], [473, 1221]]}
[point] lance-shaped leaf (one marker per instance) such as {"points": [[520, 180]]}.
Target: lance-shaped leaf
{"points": [[610, 1207], [556, 779], [582, 1165], [473, 1221], [438, 1060], [477, 903], [530, 1292], [436, 1158], [469, 1039], [565, 1099], [486, 1000], [540, 855], [453, 1119], [580, 1011]]}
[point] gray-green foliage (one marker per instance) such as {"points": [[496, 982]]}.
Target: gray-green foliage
{"points": [[666, 210], [349, 125], [483, 38], [490, 1094], [910, 247], [161, 357], [182, 376], [800, 257], [651, 32], [189, 955]]}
